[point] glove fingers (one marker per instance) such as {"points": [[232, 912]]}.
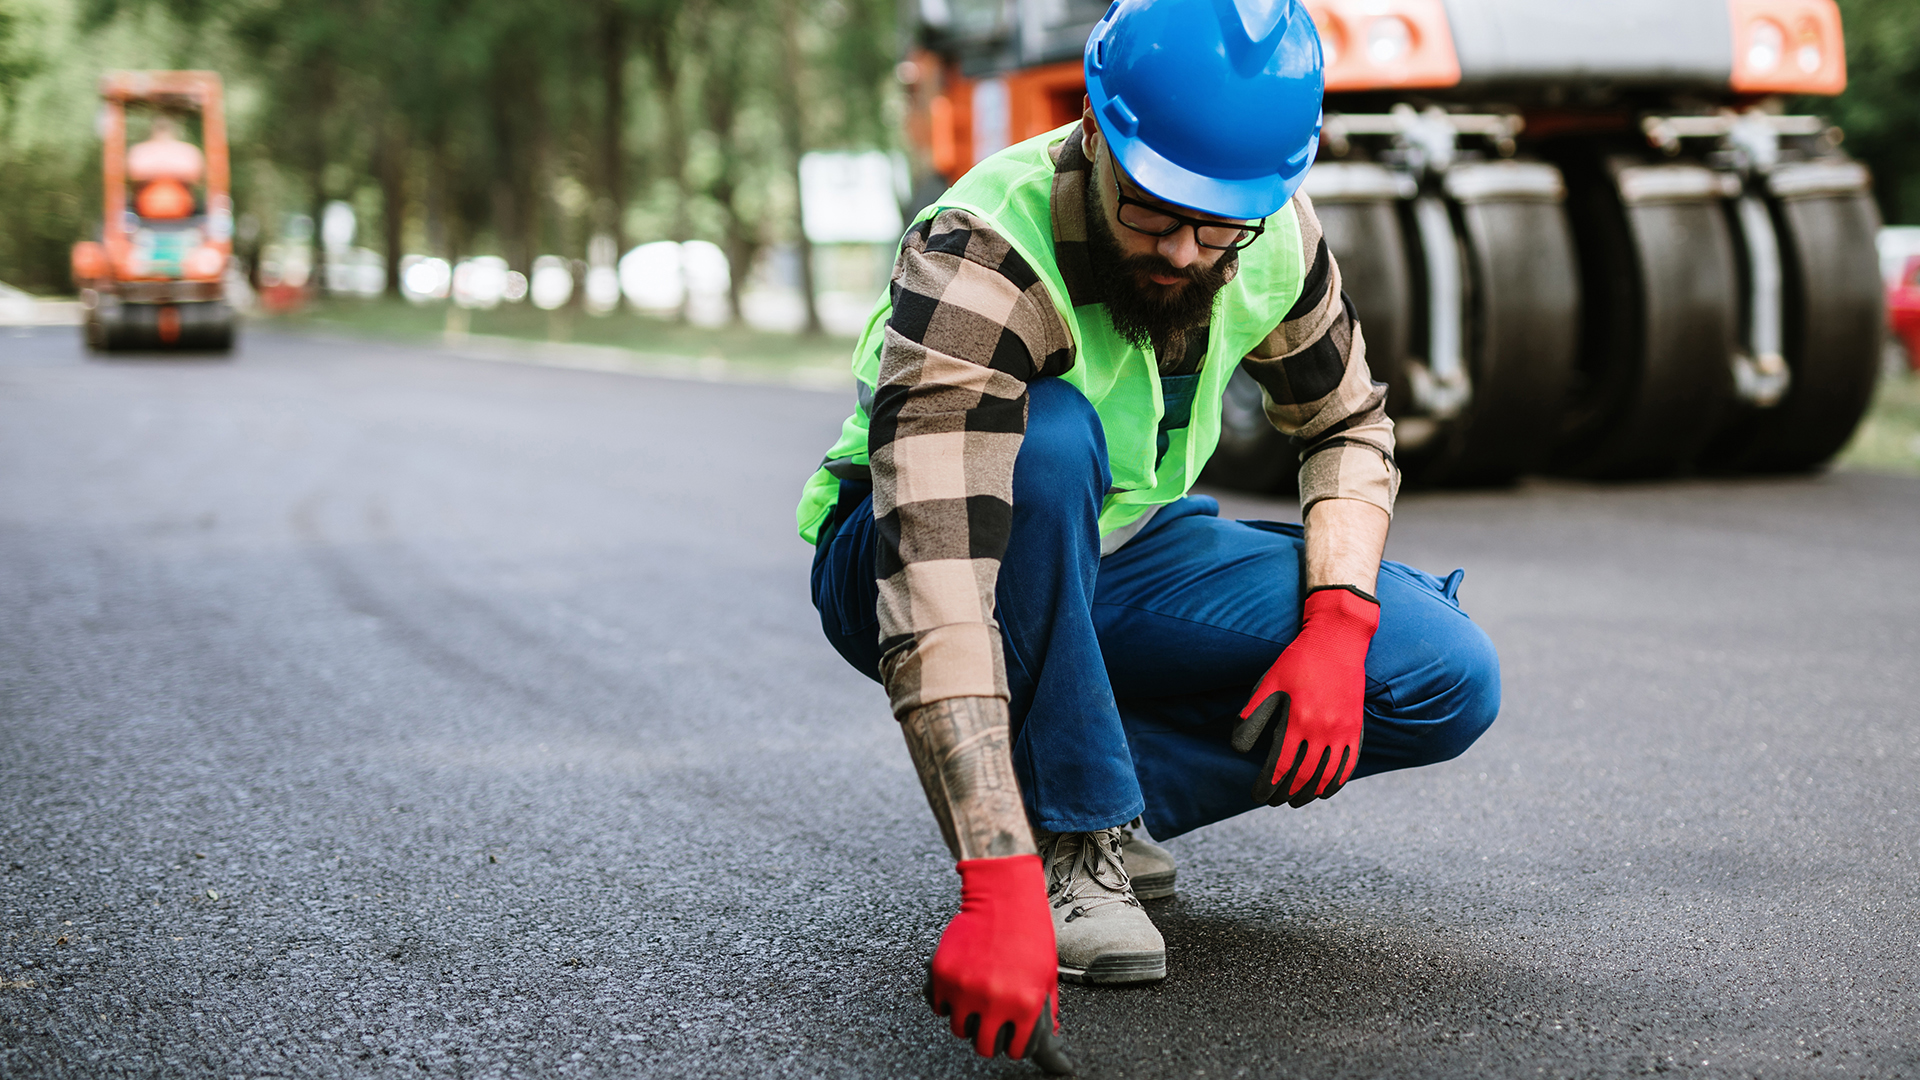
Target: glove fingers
{"points": [[1274, 790], [1340, 774], [1276, 706], [1349, 761], [1310, 790], [1247, 732], [1003, 1042]]}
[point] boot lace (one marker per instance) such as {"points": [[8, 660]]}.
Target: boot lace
{"points": [[1085, 870]]}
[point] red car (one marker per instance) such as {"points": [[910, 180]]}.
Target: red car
{"points": [[1903, 309]]}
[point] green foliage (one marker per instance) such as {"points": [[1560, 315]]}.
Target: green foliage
{"points": [[49, 153], [1880, 110], [1889, 439], [517, 127], [45, 213], [17, 63]]}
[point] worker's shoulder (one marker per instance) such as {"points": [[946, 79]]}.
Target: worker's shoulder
{"points": [[948, 226], [953, 233], [1301, 206]]}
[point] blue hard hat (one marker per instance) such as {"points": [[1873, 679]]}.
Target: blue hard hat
{"points": [[1210, 104]]}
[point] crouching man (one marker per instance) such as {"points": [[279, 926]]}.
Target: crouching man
{"points": [[1075, 646]]}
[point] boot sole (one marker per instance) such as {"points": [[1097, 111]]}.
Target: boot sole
{"points": [[1153, 886], [1118, 968]]}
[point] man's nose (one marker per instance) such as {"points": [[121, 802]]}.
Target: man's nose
{"points": [[1180, 247]]}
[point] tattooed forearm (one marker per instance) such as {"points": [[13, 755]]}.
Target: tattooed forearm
{"points": [[961, 750]]}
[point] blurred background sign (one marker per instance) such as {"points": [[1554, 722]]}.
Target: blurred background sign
{"points": [[851, 198]]}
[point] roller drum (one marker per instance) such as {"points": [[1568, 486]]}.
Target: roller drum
{"points": [[1356, 208], [1521, 308], [1833, 322], [199, 326], [1662, 301]]}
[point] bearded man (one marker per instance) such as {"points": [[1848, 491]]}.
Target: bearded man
{"points": [[1079, 651]]}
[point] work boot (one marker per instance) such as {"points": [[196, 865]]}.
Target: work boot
{"points": [[1102, 933], [1149, 865]]}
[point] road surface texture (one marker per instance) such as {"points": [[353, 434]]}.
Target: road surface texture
{"points": [[373, 711]]}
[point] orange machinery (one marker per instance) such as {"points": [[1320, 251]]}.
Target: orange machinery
{"points": [[155, 278], [1583, 237]]}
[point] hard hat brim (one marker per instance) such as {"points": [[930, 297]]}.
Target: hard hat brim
{"points": [[1241, 200]]}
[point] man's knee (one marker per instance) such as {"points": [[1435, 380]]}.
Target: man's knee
{"points": [[1065, 448], [1438, 704], [1470, 700]]}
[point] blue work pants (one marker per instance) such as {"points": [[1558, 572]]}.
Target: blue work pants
{"points": [[1127, 673]]}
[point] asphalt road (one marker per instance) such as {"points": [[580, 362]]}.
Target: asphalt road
{"points": [[371, 711]]}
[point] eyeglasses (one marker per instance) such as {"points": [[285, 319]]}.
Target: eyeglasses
{"points": [[1153, 220]]}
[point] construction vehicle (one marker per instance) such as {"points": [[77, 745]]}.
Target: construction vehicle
{"points": [[1581, 238], [155, 278]]}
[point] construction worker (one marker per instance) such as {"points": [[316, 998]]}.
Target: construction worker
{"points": [[1077, 649]]}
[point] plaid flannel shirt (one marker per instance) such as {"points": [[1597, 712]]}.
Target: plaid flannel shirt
{"points": [[972, 325]]}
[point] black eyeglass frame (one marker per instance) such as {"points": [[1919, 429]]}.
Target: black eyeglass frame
{"points": [[1252, 229]]}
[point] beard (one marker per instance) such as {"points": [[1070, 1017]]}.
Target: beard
{"points": [[1144, 311]]}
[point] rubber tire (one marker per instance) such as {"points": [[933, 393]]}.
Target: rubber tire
{"points": [[205, 327], [1521, 343], [1834, 323], [1660, 286], [1366, 242], [1251, 456]]}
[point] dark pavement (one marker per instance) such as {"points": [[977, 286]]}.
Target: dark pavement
{"points": [[370, 711]]}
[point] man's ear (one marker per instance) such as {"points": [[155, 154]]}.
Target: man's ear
{"points": [[1089, 124]]}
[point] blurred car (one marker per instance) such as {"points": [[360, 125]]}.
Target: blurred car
{"points": [[1903, 309]]}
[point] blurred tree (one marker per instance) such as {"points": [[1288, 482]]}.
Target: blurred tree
{"points": [[516, 126], [660, 34], [306, 46], [17, 62], [42, 209], [1880, 111], [733, 38], [614, 28], [794, 98]]}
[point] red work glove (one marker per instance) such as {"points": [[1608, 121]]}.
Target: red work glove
{"points": [[1312, 700], [996, 973]]}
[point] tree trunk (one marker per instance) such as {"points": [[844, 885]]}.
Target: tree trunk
{"points": [[440, 239], [520, 151], [613, 119], [664, 53], [317, 210], [727, 46], [322, 84], [391, 162], [793, 122]]}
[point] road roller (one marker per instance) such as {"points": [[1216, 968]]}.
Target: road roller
{"points": [[155, 277], [1588, 239]]}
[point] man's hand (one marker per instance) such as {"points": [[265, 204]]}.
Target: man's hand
{"points": [[996, 973], [1312, 700]]}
